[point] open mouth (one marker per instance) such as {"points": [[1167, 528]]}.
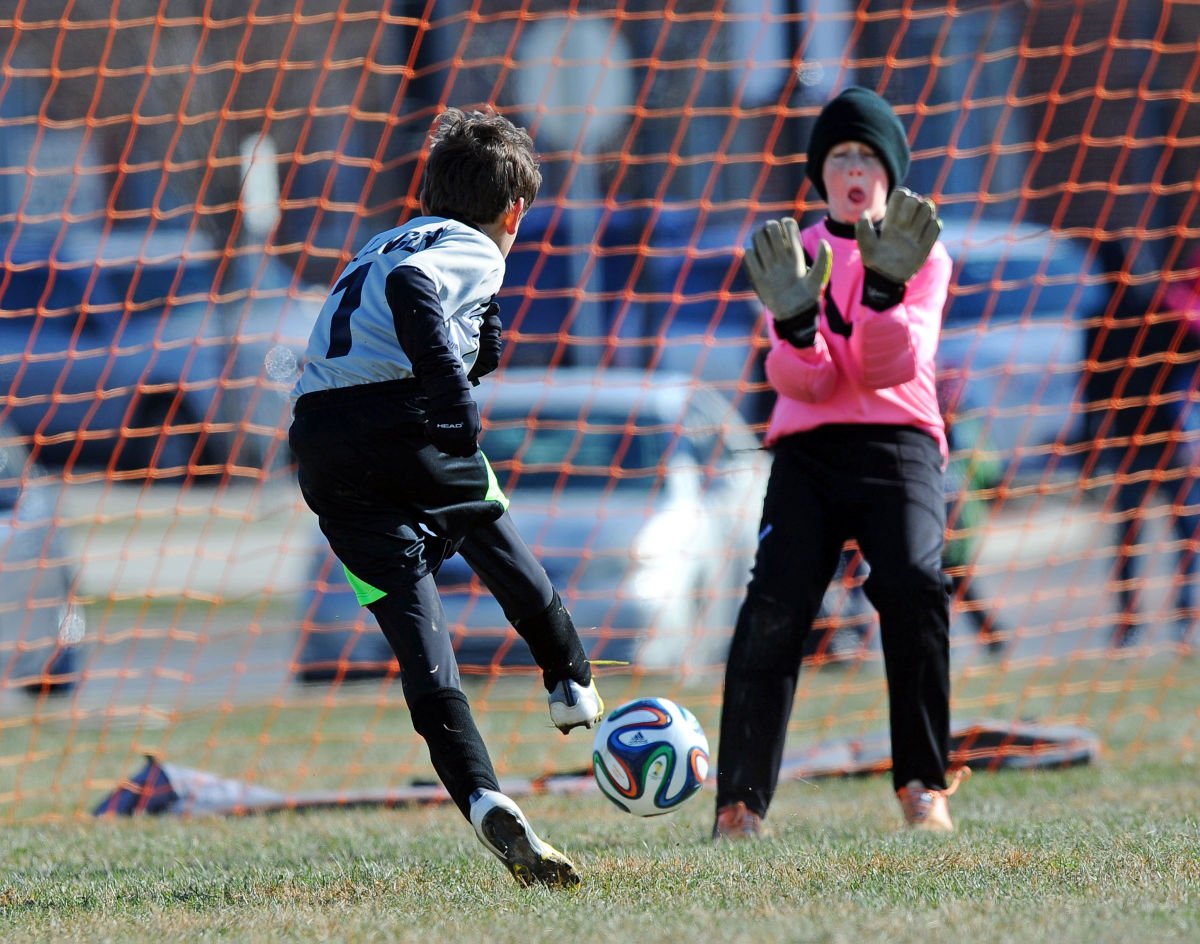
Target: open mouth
{"points": [[856, 194]]}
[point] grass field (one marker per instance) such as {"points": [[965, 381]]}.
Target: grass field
{"points": [[1095, 854], [1087, 855]]}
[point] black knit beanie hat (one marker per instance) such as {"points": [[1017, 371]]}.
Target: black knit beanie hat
{"points": [[858, 114]]}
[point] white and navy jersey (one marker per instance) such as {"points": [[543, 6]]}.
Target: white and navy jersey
{"points": [[357, 339]]}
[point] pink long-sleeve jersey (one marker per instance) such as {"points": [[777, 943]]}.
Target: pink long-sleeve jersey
{"points": [[866, 366]]}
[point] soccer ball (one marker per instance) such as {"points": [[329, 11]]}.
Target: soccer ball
{"points": [[649, 756]]}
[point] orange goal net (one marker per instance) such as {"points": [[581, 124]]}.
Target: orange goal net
{"points": [[180, 184]]}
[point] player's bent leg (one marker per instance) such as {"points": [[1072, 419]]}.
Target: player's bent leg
{"points": [[573, 699], [504, 830], [412, 619], [441, 715], [456, 749], [499, 556], [501, 559], [566, 673]]}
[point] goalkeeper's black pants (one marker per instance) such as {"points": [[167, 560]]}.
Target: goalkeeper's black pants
{"points": [[881, 486]]}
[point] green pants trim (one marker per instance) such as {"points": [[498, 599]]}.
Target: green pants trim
{"points": [[363, 591], [495, 492]]}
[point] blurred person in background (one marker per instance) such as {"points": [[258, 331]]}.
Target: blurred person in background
{"points": [[971, 473], [1142, 416]]}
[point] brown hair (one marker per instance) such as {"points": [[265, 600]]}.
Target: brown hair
{"points": [[479, 165]]}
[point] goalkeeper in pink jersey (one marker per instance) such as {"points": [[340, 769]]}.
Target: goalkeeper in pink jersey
{"points": [[859, 448]]}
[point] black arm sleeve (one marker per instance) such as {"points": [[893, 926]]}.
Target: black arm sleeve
{"points": [[421, 331]]}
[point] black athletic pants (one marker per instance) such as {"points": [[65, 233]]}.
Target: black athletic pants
{"points": [[879, 485], [393, 508]]}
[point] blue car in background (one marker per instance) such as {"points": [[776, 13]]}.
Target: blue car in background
{"points": [[117, 352], [1011, 353]]}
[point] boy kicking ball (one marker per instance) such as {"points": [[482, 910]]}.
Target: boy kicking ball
{"points": [[385, 433]]}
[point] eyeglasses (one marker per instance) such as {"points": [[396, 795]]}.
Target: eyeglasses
{"points": [[862, 155]]}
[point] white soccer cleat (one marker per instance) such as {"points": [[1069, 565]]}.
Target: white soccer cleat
{"points": [[573, 705], [502, 827]]}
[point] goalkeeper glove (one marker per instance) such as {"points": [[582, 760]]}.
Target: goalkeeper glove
{"points": [[785, 283], [895, 252]]}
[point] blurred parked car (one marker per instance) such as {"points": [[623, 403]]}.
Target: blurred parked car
{"points": [[1012, 346], [116, 353], [640, 493], [39, 624]]}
